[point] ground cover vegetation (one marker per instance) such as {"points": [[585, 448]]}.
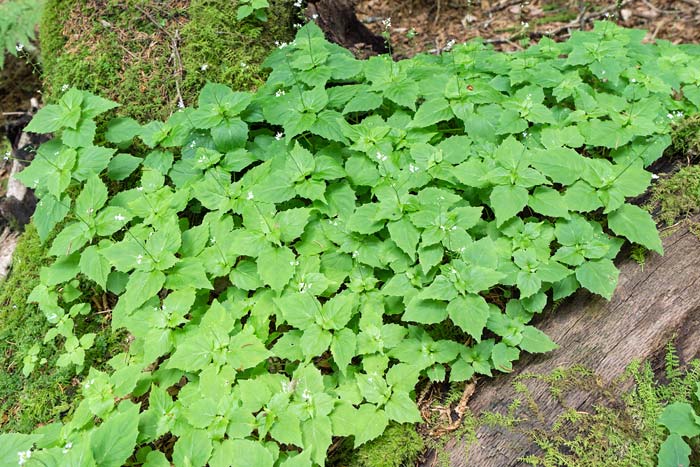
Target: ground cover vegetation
{"points": [[291, 248]]}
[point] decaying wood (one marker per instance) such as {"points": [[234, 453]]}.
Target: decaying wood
{"points": [[338, 21], [18, 203], [652, 305]]}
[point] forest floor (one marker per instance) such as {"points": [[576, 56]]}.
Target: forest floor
{"points": [[428, 25]]}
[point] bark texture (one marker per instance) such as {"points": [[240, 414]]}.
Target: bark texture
{"points": [[339, 23], [652, 305]]}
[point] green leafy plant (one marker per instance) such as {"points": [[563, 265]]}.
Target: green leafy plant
{"points": [[681, 420], [279, 258], [254, 8], [18, 19]]}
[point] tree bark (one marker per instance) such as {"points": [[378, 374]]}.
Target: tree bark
{"points": [[339, 23], [652, 305]]}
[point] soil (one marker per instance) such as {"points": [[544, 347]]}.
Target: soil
{"points": [[428, 25]]}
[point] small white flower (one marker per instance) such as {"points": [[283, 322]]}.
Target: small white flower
{"points": [[282, 45], [24, 456], [670, 116], [280, 93], [454, 227], [297, 26], [306, 395], [297, 3], [139, 188], [244, 65], [90, 211], [279, 136], [250, 195], [67, 447], [355, 254], [204, 66], [443, 228], [654, 177], [386, 23], [119, 217], [193, 144], [139, 259], [633, 80], [381, 157], [451, 43], [525, 134], [7, 156], [180, 104], [314, 17], [201, 160], [525, 24], [294, 263], [212, 240], [602, 72], [19, 47], [65, 87], [412, 168]]}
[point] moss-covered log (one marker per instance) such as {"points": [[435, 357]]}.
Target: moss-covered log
{"points": [[653, 303], [148, 56]]}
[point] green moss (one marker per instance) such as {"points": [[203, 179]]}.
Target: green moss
{"points": [[146, 62], [621, 431], [49, 392], [677, 196], [400, 445], [218, 48], [114, 50]]}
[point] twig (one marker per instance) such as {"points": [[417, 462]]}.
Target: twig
{"points": [[502, 5], [178, 72], [174, 39], [582, 20], [10, 114]]}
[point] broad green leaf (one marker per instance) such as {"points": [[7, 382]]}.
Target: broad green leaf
{"points": [[405, 235], [370, 423], [49, 212], [470, 313], [114, 441], [535, 341], [425, 311], [507, 201], [680, 419], [193, 448], [400, 408], [598, 276], [276, 266], [250, 454], [432, 111], [674, 452], [122, 130], [637, 225], [316, 433], [343, 345]]}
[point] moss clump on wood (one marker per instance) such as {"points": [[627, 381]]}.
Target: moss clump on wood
{"points": [[620, 431], [678, 196], [215, 47], [149, 55]]}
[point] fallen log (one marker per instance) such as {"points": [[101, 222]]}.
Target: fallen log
{"points": [[653, 304]]}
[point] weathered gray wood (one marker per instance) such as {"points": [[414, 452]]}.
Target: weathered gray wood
{"points": [[651, 305]]}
